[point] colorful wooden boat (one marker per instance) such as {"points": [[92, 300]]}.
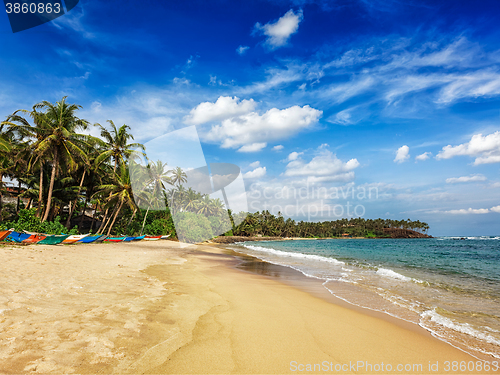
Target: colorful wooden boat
{"points": [[34, 238], [74, 238], [115, 239], [100, 239], [90, 239], [152, 238], [4, 234], [53, 239], [138, 238], [17, 237]]}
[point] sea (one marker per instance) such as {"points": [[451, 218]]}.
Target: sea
{"points": [[447, 285]]}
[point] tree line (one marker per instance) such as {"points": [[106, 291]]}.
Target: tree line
{"points": [[266, 224], [64, 171]]}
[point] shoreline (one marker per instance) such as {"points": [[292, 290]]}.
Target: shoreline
{"points": [[163, 308]]}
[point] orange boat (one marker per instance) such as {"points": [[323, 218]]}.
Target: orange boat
{"points": [[74, 238], [4, 234], [34, 238]]}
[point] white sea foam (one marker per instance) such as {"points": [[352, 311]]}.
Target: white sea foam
{"points": [[294, 255], [390, 273], [433, 316]]}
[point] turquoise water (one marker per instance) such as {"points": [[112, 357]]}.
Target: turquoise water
{"points": [[447, 285]]}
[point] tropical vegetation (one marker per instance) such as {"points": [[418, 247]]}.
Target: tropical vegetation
{"points": [[106, 185]]}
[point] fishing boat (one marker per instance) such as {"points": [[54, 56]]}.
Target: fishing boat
{"points": [[100, 239], [152, 238], [17, 237], [115, 239], [74, 238], [90, 239], [53, 239], [138, 238], [4, 234], [34, 238], [165, 237]]}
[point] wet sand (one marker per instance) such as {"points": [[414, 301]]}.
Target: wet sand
{"points": [[158, 308]]}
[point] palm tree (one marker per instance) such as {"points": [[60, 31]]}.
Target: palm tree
{"points": [[178, 176], [118, 147], [55, 137], [120, 191]]}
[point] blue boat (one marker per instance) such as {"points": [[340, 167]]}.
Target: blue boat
{"points": [[89, 239], [128, 239], [17, 237]]}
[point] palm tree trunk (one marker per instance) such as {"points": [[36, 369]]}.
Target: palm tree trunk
{"points": [[114, 219], [18, 195], [131, 217], [144, 221], [109, 219], [51, 186], [102, 222], [72, 206], [40, 192]]}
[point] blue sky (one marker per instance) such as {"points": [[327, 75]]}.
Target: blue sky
{"points": [[318, 102]]}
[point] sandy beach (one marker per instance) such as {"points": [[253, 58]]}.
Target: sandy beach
{"points": [[158, 308]]}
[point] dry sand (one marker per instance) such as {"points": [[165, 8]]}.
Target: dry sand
{"points": [[158, 308]]}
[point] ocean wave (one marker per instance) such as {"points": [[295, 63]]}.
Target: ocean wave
{"points": [[435, 317], [294, 255]]}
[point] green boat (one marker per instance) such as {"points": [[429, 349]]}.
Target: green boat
{"points": [[53, 240]]}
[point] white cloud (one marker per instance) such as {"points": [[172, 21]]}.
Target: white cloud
{"points": [[476, 177], [280, 31], [254, 165], [225, 107], [256, 173], [496, 209], [486, 149], [241, 50], [468, 211], [423, 156], [252, 128], [325, 166], [278, 148], [294, 155], [253, 147], [403, 154]]}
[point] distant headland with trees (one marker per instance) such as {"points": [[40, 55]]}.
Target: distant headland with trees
{"points": [[68, 181]]}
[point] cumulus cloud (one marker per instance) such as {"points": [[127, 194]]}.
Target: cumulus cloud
{"points": [[254, 165], [279, 32], [403, 154], [476, 177], [253, 147], [253, 128], [256, 173], [325, 166], [495, 209], [278, 148], [468, 211], [424, 156], [294, 155], [486, 149], [225, 107], [241, 50]]}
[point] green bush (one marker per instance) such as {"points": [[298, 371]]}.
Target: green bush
{"points": [[160, 227], [27, 221], [219, 224], [192, 228]]}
